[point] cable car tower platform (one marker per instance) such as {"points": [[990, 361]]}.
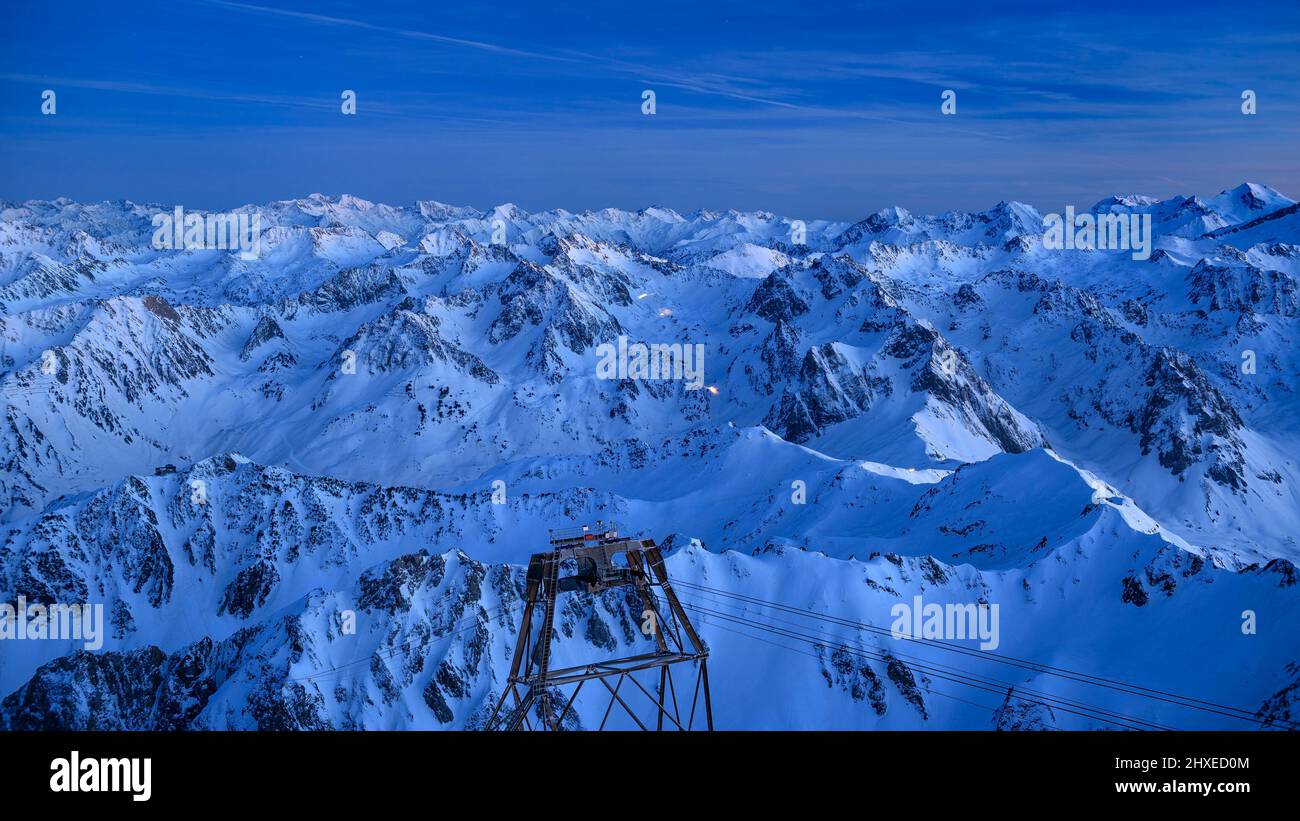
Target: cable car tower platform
{"points": [[593, 559]]}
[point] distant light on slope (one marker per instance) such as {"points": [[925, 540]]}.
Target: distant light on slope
{"points": [[642, 296], [665, 312], [713, 389]]}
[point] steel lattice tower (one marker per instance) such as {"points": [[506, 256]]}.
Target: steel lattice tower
{"points": [[544, 697]]}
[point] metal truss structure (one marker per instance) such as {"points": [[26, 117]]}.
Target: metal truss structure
{"points": [[592, 561]]}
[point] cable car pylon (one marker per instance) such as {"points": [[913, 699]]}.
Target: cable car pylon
{"points": [[592, 560]]}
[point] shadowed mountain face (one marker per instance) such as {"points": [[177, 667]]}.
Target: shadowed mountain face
{"points": [[303, 485]]}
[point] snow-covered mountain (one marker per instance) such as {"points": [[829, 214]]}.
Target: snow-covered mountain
{"points": [[385, 410]]}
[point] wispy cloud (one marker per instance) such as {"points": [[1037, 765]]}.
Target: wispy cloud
{"points": [[746, 89], [412, 34]]}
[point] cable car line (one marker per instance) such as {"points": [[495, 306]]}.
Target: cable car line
{"points": [[1000, 683], [962, 678], [1086, 678]]}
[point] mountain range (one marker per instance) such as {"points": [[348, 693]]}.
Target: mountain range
{"points": [[386, 410]]}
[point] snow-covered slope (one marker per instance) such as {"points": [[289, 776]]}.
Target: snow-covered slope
{"points": [[384, 411]]}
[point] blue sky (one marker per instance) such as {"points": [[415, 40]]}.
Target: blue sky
{"points": [[808, 108]]}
